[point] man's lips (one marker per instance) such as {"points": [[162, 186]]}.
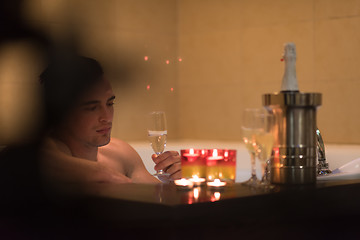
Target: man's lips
{"points": [[104, 130]]}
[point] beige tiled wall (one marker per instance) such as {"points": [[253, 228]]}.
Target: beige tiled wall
{"points": [[119, 33], [230, 51]]}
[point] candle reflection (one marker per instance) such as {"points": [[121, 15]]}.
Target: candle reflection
{"points": [[194, 195], [215, 197]]}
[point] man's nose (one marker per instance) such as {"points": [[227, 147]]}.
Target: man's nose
{"points": [[106, 115]]}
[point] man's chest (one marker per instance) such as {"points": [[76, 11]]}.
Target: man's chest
{"points": [[113, 162]]}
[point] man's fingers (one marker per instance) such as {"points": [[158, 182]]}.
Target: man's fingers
{"points": [[173, 168], [176, 175], [167, 163], [164, 156]]}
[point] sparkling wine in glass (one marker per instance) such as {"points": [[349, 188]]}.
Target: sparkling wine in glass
{"points": [[265, 142], [157, 133], [250, 127]]}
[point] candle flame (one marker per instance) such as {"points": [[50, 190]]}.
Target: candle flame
{"points": [[215, 153], [226, 154], [195, 177], [191, 151], [217, 181], [183, 181]]}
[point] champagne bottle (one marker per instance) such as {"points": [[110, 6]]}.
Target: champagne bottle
{"points": [[289, 82]]}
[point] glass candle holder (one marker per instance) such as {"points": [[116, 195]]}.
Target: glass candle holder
{"points": [[221, 164], [193, 163]]}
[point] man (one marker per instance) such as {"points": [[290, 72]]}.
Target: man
{"points": [[79, 108]]}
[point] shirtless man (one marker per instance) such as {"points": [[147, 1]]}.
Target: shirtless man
{"points": [[79, 148]]}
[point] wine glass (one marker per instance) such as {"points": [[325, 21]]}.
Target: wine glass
{"points": [[265, 142], [249, 127], [157, 133]]}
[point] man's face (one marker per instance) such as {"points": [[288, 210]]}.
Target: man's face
{"points": [[90, 121]]}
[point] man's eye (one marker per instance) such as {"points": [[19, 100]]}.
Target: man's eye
{"points": [[110, 104], [91, 108]]}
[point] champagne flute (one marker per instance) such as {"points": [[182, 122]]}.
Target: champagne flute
{"points": [[249, 128], [157, 133], [265, 142]]}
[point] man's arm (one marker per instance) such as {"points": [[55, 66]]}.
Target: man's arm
{"points": [[58, 166]]}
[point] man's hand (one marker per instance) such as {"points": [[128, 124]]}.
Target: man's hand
{"points": [[169, 162]]}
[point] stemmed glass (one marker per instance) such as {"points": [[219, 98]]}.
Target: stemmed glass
{"points": [[265, 142], [157, 133], [250, 126]]}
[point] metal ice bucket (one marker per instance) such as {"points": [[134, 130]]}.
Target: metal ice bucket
{"points": [[293, 160]]}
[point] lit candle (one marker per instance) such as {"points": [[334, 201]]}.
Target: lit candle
{"points": [[197, 181], [192, 163], [213, 163], [215, 156], [183, 183], [191, 156], [216, 184]]}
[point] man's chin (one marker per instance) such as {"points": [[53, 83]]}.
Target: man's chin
{"points": [[104, 142]]}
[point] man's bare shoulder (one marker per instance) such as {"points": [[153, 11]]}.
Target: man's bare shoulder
{"points": [[118, 152], [52, 146], [118, 147]]}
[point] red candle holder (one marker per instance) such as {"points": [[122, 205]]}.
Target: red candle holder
{"points": [[221, 164], [193, 163]]}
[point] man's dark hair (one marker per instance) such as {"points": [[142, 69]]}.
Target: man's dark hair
{"points": [[64, 81]]}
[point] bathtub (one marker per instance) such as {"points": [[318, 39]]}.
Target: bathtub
{"points": [[336, 155]]}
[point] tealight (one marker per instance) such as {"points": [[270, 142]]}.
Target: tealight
{"points": [[216, 184], [191, 155], [183, 183], [197, 181]]}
